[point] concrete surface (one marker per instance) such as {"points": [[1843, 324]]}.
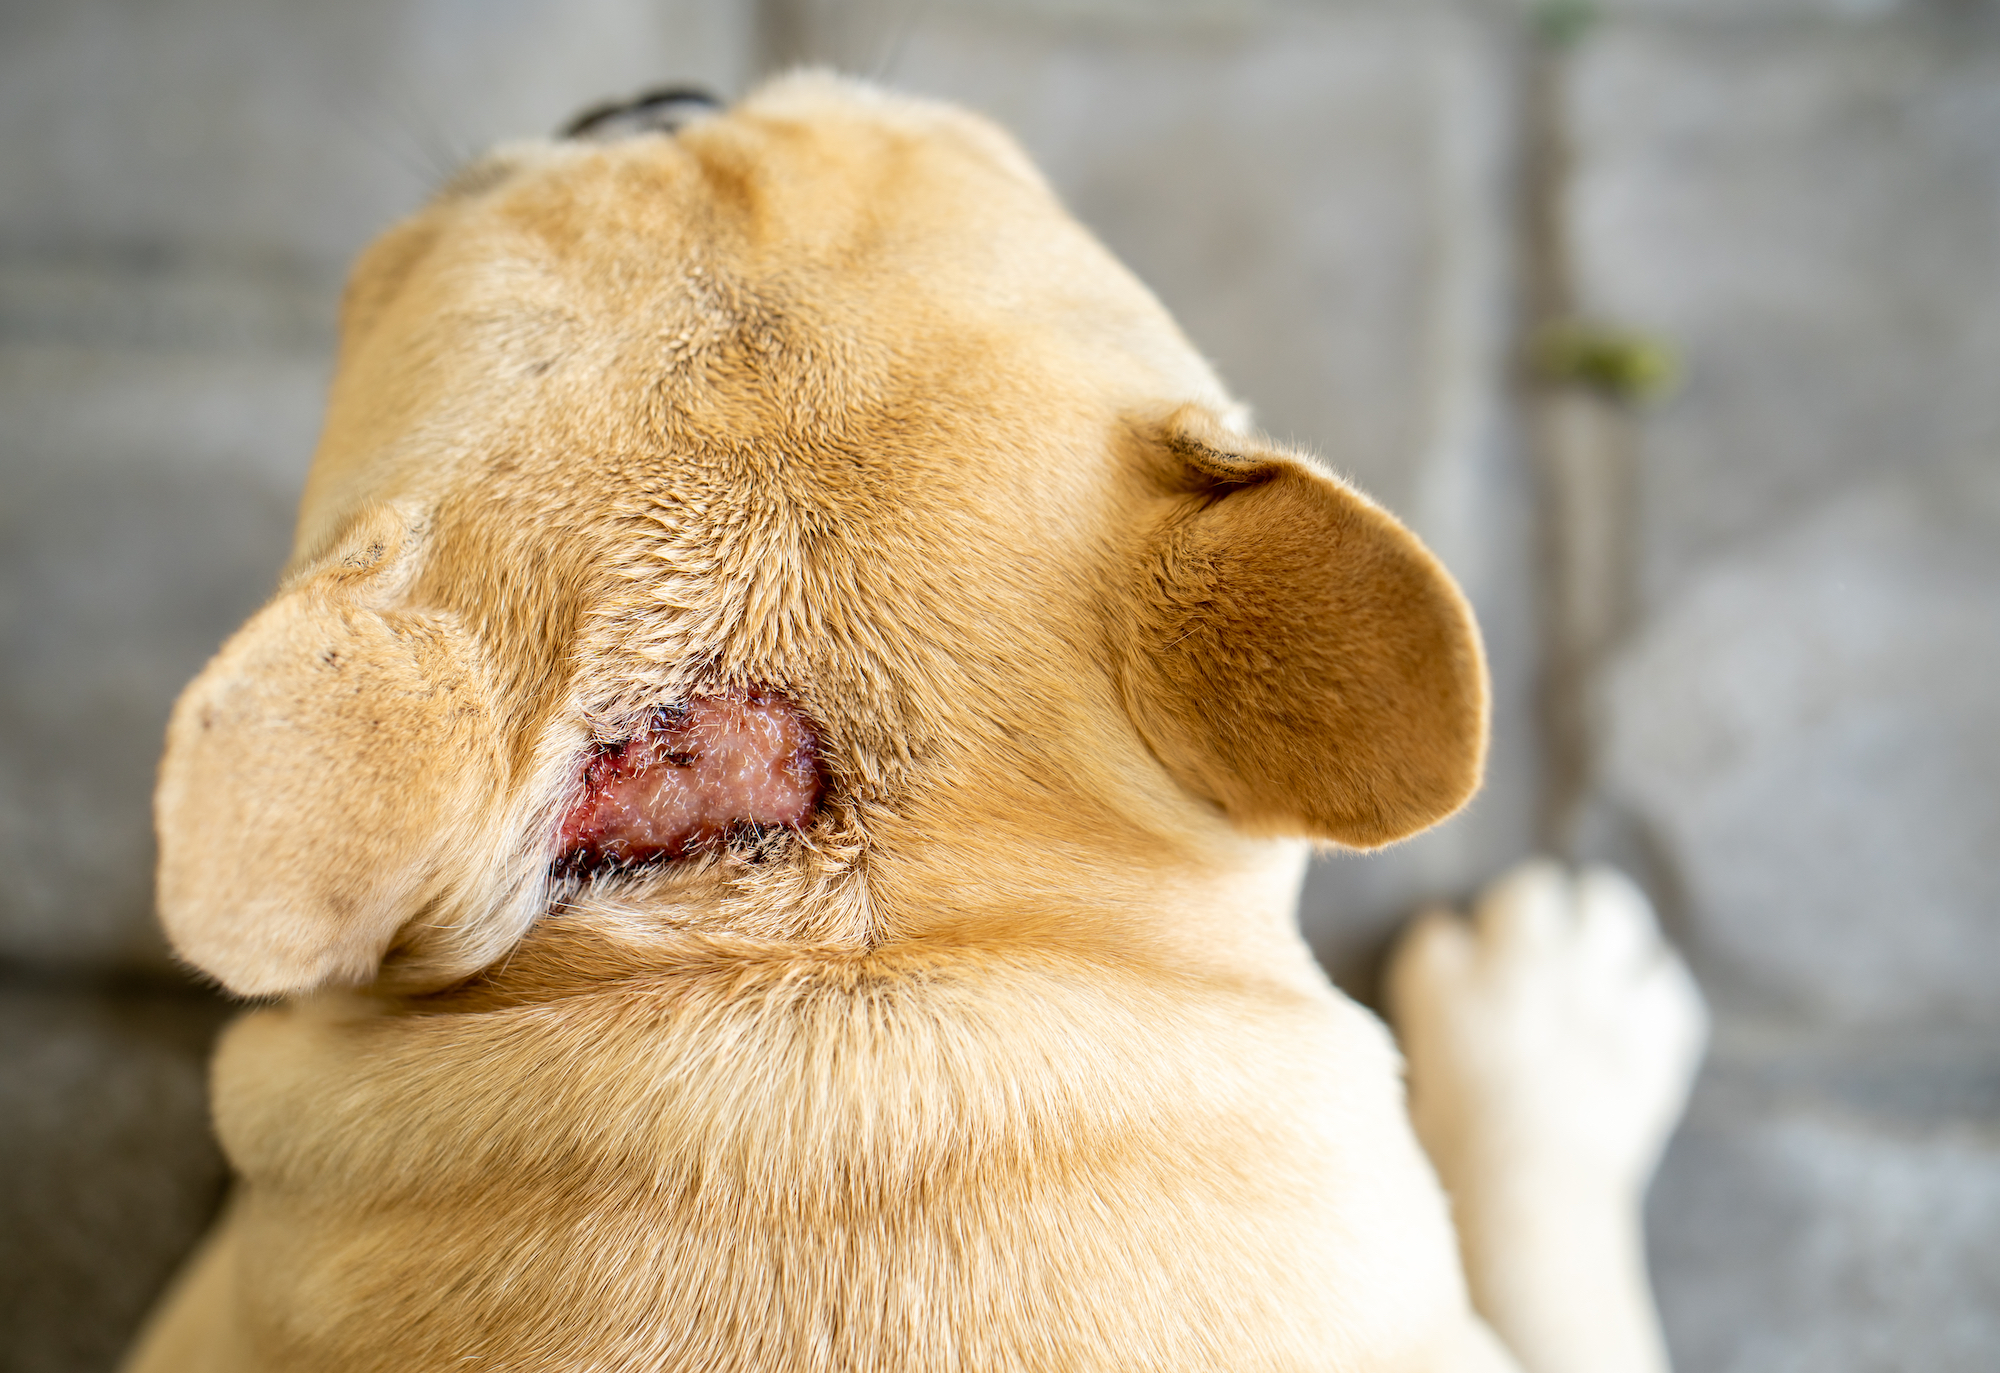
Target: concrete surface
{"points": [[1831, 1203], [1798, 734], [1802, 728], [107, 1172], [1805, 719]]}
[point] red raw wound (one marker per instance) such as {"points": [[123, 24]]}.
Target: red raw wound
{"points": [[694, 774]]}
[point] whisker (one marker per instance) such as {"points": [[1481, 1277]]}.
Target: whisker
{"points": [[899, 39]]}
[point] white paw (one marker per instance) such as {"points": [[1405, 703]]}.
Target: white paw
{"points": [[1556, 1029]]}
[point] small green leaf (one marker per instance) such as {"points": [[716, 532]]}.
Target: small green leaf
{"points": [[1563, 23], [1618, 363]]}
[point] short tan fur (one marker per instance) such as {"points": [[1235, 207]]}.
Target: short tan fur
{"points": [[1013, 1057]]}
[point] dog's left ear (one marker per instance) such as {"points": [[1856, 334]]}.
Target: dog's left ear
{"points": [[1300, 659], [331, 778]]}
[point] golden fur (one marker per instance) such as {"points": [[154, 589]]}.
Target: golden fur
{"points": [[1014, 1058]]}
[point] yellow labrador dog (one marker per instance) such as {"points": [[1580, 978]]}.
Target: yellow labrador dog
{"points": [[769, 802]]}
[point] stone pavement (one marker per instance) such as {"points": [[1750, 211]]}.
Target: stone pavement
{"points": [[1803, 726], [1794, 737]]}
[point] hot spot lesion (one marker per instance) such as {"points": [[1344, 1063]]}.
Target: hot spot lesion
{"points": [[694, 776]]}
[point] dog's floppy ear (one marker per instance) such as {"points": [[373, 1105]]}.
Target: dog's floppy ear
{"points": [[327, 777], [1301, 660]]}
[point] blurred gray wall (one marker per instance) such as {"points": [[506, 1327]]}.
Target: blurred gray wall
{"points": [[1792, 735]]}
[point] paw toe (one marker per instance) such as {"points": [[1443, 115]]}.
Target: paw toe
{"points": [[1616, 932], [1434, 959], [1528, 910]]}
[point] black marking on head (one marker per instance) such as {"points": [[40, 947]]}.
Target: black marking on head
{"points": [[667, 110]]}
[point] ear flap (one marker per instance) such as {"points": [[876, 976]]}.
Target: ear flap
{"points": [[1302, 660], [327, 778]]}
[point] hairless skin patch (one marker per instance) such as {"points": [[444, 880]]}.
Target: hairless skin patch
{"points": [[695, 775]]}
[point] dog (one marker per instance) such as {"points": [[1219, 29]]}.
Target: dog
{"points": [[768, 805]]}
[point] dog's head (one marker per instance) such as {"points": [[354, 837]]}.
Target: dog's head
{"points": [[795, 525]]}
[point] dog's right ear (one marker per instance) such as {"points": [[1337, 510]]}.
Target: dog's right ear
{"points": [[1300, 659], [326, 779]]}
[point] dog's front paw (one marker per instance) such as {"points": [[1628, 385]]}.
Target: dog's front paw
{"points": [[1554, 1034]]}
